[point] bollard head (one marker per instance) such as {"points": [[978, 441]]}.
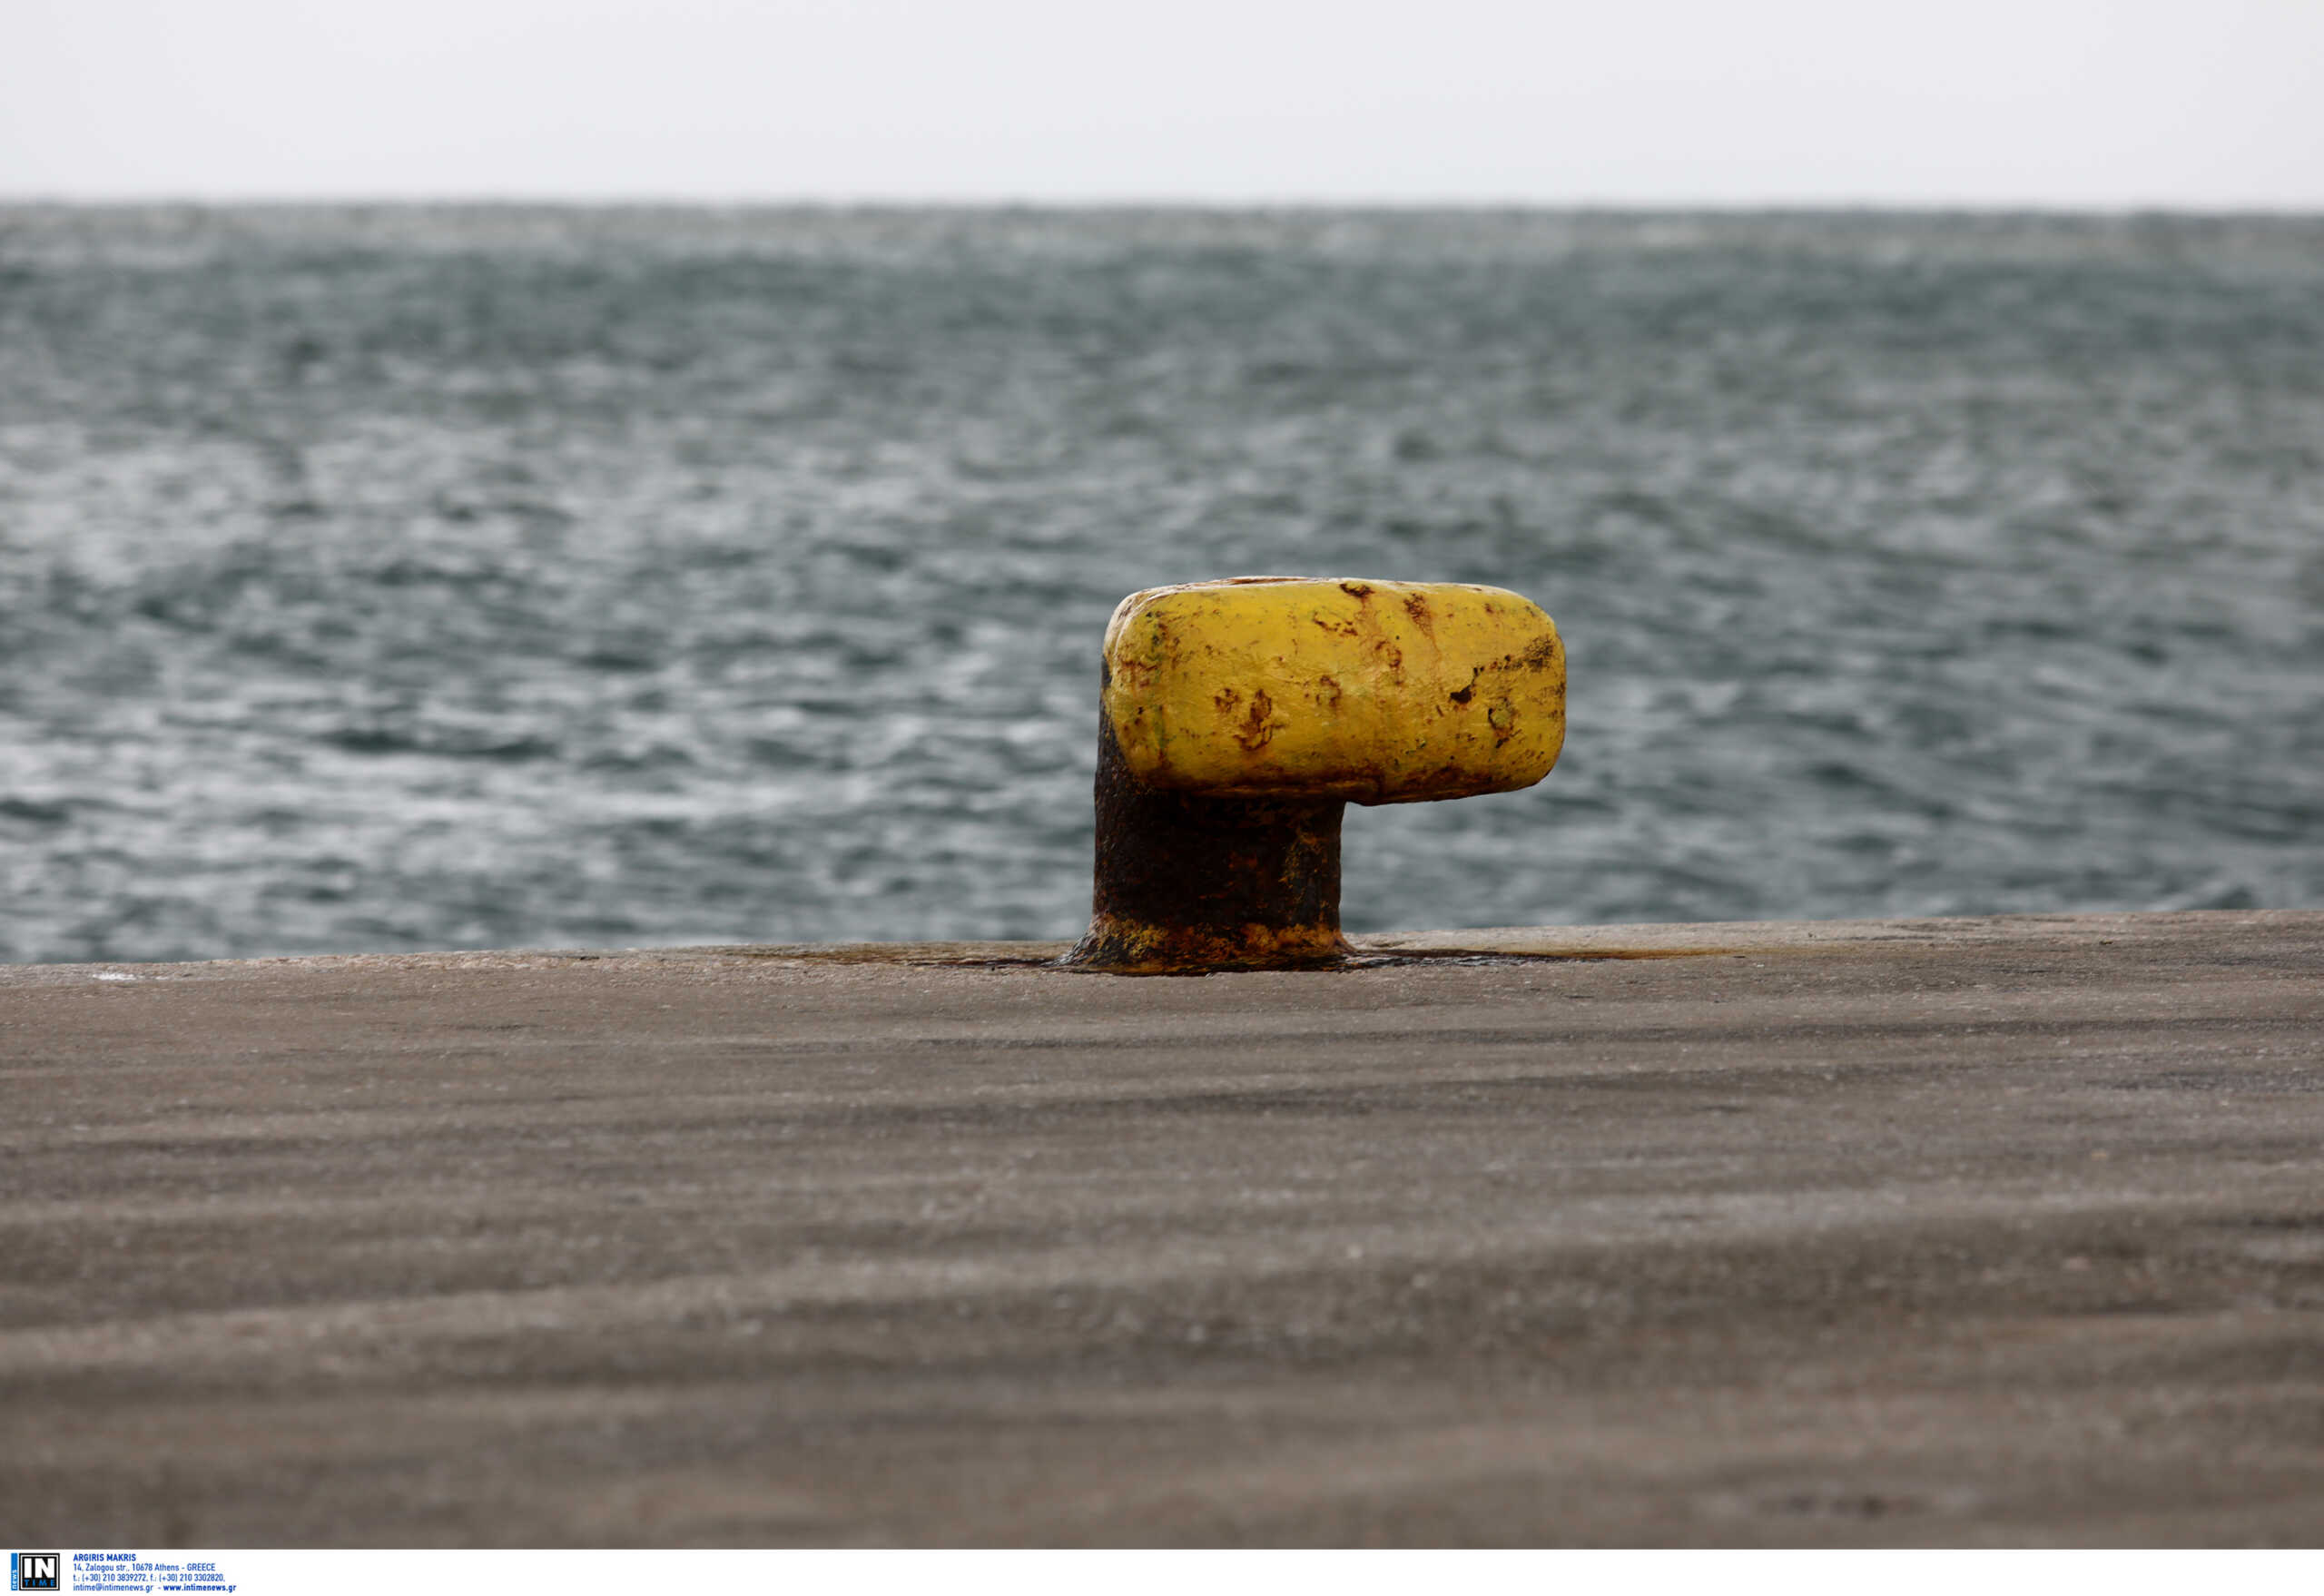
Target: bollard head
{"points": [[1286, 688]]}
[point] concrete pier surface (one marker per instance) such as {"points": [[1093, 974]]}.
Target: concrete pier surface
{"points": [[1976, 1231]]}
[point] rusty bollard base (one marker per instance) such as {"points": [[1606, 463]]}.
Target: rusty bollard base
{"points": [[1187, 883], [1239, 717]]}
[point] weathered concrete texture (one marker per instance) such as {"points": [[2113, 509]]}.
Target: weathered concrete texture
{"points": [[1972, 1231]]}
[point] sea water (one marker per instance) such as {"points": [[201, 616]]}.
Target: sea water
{"points": [[410, 577]]}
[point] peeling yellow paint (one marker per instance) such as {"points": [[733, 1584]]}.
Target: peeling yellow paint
{"points": [[1371, 691]]}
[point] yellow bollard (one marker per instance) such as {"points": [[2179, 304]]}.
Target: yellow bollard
{"points": [[1238, 718]]}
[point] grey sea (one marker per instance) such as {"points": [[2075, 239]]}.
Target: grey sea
{"points": [[410, 577]]}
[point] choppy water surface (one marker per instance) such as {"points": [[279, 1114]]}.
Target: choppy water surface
{"points": [[414, 578]]}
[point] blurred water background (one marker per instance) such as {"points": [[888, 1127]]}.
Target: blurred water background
{"points": [[407, 578]]}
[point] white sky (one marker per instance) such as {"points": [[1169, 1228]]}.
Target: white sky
{"points": [[2068, 103]]}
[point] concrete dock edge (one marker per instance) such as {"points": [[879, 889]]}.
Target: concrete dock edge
{"points": [[1980, 1231]]}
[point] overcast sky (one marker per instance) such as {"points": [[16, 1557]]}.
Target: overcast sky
{"points": [[2067, 102]]}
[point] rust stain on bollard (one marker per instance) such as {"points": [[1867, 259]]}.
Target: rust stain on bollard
{"points": [[1238, 718]]}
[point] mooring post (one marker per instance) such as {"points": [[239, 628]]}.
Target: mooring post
{"points": [[1237, 720]]}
